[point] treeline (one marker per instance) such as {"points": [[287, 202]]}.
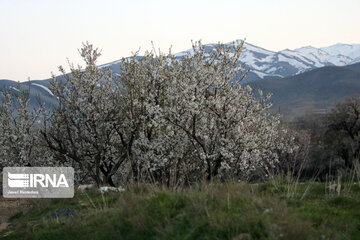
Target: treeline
{"points": [[335, 145]]}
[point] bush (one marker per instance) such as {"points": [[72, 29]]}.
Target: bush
{"points": [[163, 119]]}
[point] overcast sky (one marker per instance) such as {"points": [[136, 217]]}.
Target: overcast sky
{"points": [[36, 36]]}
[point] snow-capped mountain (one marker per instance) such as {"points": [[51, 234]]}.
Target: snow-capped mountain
{"points": [[350, 50], [286, 73], [265, 63]]}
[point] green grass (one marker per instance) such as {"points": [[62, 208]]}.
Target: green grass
{"points": [[205, 211]]}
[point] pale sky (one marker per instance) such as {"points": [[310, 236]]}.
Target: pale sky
{"points": [[36, 36]]}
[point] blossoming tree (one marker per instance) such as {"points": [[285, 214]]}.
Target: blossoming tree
{"points": [[164, 118]]}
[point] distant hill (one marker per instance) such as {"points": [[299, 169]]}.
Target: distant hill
{"points": [[39, 92], [300, 79], [264, 63], [317, 89]]}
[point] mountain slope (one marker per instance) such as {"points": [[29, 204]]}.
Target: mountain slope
{"points": [[264, 63], [317, 89], [39, 91], [350, 50], [286, 73]]}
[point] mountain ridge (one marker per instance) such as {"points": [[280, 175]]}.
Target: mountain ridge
{"points": [[316, 90], [311, 74], [266, 63]]}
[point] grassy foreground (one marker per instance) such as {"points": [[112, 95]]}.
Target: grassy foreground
{"points": [[207, 211]]}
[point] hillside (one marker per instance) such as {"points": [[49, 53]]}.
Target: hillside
{"points": [[318, 89], [299, 79], [264, 63], [38, 91]]}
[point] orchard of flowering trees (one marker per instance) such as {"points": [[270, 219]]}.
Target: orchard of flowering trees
{"points": [[161, 120]]}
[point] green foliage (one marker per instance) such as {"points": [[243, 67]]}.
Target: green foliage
{"points": [[205, 211], [334, 149]]}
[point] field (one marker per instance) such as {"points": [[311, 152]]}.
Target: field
{"points": [[231, 210]]}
